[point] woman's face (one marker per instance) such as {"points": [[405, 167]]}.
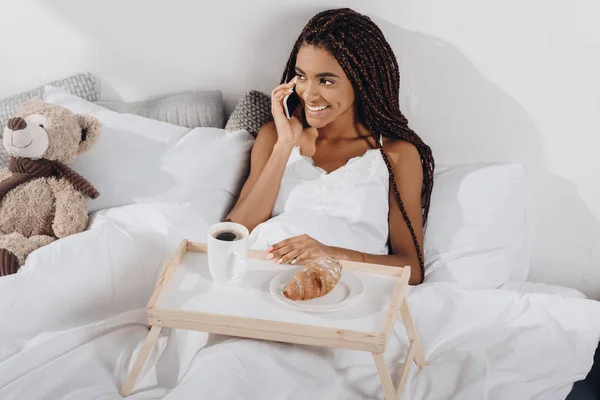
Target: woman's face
{"points": [[325, 90]]}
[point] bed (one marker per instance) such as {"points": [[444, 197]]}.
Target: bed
{"points": [[73, 318]]}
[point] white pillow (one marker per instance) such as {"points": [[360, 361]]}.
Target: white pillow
{"points": [[138, 159], [477, 226]]}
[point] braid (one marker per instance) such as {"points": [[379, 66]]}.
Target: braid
{"points": [[362, 51]]}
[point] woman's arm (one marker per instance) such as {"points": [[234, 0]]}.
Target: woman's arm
{"points": [[270, 154], [406, 164], [267, 164]]}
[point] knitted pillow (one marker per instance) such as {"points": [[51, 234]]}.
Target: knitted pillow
{"points": [[251, 113], [189, 109], [81, 85]]}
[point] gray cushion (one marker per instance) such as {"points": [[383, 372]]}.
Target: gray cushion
{"points": [[251, 113], [82, 85], [190, 109]]}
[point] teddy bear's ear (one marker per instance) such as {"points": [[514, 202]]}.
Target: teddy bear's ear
{"points": [[90, 131], [31, 104]]}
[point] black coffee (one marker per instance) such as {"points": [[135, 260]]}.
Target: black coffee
{"points": [[227, 236]]}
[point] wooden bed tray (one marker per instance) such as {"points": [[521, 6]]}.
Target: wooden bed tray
{"points": [[179, 302]]}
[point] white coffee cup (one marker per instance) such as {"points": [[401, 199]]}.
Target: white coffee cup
{"points": [[226, 257]]}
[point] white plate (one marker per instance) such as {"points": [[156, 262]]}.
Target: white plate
{"points": [[348, 291]]}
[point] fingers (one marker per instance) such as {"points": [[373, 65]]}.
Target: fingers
{"points": [[277, 102], [294, 248], [286, 242], [290, 257], [277, 246], [278, 96], [284, 88], [304, 258], [280, 252]]}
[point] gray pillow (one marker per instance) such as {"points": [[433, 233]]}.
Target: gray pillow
{"points": [[82, 85], [191, 109], [251, 113]]}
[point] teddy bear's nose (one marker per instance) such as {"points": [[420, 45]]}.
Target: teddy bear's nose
{"points": [[16, 124]]}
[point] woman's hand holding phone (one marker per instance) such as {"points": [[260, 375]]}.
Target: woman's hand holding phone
{"points": [[288, 130]]}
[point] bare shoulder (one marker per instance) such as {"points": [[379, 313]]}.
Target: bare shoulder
{"points": [[267, 132], [402, 153], [268, 135], [265, 140]]}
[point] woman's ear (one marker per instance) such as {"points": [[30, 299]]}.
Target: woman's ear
{"points": [[90, 131]]}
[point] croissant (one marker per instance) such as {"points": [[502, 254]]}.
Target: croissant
{"points": [[317, 279]]}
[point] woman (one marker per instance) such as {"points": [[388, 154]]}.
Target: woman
{"points": [[326, 171], [319, 183], [320, 180]]}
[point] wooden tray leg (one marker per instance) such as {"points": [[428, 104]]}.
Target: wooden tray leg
{"points": [[141, 359], [414, 354], [386, 379], [408, 360], [412, 334]]}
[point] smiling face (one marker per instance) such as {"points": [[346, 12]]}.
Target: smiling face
{"points": [[26, 137], [326, 92]]}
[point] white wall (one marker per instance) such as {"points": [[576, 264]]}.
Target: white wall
{"points": [[481, 81]]}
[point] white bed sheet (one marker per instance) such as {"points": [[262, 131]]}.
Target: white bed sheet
{"points": [[537, 287], [72, 322]]}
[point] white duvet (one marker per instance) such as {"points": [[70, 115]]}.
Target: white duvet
{"points": [[73, 320]]}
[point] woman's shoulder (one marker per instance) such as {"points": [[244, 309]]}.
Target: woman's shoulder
{"points": [[267, 129], [405, 160], [400, 149], [268, 132], [267, 135]]}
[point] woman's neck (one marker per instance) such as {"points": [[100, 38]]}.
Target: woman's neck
{"points": [[345, 127]]}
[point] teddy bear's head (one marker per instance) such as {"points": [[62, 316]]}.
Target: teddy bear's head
{"points": [[49, 131]]}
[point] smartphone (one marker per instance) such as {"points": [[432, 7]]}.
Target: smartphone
{"points": [[291, 103]]}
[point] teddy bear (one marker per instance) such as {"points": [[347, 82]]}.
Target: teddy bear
{"points": [[41, 198]]}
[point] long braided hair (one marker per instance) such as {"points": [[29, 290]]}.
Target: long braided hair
{"points": [[360, 48]]}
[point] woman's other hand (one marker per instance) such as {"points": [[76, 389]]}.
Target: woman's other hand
{"points": [[288, 130], [298, 249]]}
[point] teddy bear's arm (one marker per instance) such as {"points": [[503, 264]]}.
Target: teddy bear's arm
{"points": [[4, 173], [71, 209]]}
